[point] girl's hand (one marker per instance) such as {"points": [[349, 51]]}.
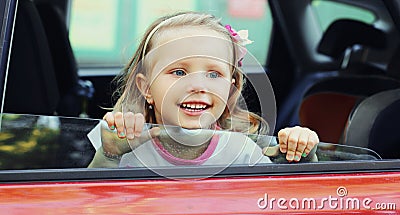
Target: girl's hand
{"points": [[129, 127], [297, 142]]}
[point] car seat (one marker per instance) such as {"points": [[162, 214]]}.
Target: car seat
{"points": [[62, 57], [31, 86], [327, 104], [374, 124], [43, 65], [346, 42], [72, 89]]}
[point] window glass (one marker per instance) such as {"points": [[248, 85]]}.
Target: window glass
{"points": [[107, 32], [71, 143], [329, 11]]}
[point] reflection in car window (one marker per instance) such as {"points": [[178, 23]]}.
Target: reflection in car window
{"points": [[43, 142], [103, 32], [329, 11], [48, 142]]}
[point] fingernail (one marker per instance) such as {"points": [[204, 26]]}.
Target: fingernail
{"points": [[112, 127], [290, 157], [304, 155], [122, 134], [296, 158], [130, 136]]}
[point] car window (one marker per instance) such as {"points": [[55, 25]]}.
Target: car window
{"points": [[71, 143], [43, 142], [103, 32], [328, 11]]}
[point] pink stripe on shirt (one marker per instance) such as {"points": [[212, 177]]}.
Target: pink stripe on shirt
{"points": [[179, 161]]}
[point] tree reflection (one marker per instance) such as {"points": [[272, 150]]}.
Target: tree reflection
{"points": [[32, 142]]}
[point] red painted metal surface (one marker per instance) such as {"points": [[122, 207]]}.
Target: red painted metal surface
{"points": [[240, 195]]}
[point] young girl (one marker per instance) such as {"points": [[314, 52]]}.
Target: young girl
{"points": [[185, 73]]}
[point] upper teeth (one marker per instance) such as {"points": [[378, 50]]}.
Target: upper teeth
{"points": [[197, 106]]}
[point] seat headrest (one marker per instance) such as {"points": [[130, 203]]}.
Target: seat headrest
{"points": [[344, 33]]}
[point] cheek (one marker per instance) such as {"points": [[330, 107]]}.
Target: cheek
{"points": [[162, 89], [222, 90]]}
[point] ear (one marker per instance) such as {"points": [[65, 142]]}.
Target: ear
{"points": [[143, 85]]}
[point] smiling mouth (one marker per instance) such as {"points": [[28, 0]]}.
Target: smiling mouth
{"points": [[194, 107]]}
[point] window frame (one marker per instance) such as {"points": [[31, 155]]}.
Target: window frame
{"points": [[198, 172]]}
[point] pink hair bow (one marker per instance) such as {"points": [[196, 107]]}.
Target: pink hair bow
{"points": [[240, 38]]}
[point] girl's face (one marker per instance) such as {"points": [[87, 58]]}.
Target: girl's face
{"points": [[190, 76]]}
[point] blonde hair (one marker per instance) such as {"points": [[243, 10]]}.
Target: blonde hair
{"points": [[234, 118]]}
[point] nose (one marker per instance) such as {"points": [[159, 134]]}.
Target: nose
{"points": [[196, 82]]}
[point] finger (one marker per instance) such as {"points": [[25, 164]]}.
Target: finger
{"points": [[292, 144], [146, 136], [312, 141], [139, 123], [282, 138], [109, 118], [129, 121], [119, 123], [301, 144]]}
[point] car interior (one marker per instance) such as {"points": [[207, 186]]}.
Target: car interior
{"points": [[342, 82]]}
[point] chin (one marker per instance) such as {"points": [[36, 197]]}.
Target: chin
{"points": [[190, 126], [196, 125]]}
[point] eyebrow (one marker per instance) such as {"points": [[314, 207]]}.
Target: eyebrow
{"points": [[214, 65]]}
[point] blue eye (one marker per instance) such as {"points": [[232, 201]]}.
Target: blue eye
{"points": [[179, 72], [213, 74]]}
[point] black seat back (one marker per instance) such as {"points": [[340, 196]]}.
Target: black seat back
{"points": [[64, 61], [32, 85], [60, 47], [43, 68]]}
